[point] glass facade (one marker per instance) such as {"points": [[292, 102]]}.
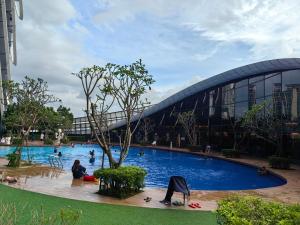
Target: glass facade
{"points": [[81, 125], [217, 108]]}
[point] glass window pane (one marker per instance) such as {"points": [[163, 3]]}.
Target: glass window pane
{"points": [[214, 100], [255, 79], [291, 94], [241, 83], [255, 101], [227, 111], [211, 98], [273, 106], [228, 94], [273, 85], [256, 90], [271, 75], [228, 87], [241, 94], [211, 111], [290, 79], [240, 109]]}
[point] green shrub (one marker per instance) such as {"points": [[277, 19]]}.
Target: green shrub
{"points": [[64, 140], [249, 210], [121, 182], [14, 159], [77, 138], [48, 141], [144, 143], [230, 153], [34, 136], [279, 162], [195, 148], [17, 141], [51, 136]]}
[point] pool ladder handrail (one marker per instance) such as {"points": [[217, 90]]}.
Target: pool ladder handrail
{"points": [[55, 161]]}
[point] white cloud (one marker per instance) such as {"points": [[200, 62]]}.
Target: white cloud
{"points": [[45, 13], [50, 46], [159, 93], [269, 27], [175, 38], [115, 11]]}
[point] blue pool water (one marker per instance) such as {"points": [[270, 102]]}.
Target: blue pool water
{"points": [[201, 173]]}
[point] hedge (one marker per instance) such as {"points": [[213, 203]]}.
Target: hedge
{"points": [[250, 210], [195, 148], [279, 162], [121, 182], [14, 159], [17, 141], [48, 141], [78, 138], [65, 140], [230, 153]]}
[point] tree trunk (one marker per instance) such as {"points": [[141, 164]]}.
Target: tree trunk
{"points": [[103, 157], [234, 140]]}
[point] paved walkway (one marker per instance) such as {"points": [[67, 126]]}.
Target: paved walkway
{"points": [[55, 182]]}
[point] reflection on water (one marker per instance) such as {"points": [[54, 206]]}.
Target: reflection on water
{"points": [[77, 182], [202, 173], [23, 174]]}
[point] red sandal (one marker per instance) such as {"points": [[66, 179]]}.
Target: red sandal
{"points": [[197, 205], [192, 206]]}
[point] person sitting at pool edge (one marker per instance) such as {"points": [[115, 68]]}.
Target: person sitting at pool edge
{"points": [[78, 170], [262, 171]]}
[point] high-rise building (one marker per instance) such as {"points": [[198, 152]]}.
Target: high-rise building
{"points": [[9, 11]]}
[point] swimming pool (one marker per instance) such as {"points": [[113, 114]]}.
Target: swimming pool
{"points": [[201, 173]]}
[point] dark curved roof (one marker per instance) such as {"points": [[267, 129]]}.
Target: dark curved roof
{"points": [[239, 73]]}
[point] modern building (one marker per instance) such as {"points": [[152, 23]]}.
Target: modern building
{"points": [[81, 125], [219, 101], [9, 10], [222, 99]]}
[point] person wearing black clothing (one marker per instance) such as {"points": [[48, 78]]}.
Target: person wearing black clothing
{"points": [[176, 183], [92, 156], [92, 153], [78, 170], [92, 160]]}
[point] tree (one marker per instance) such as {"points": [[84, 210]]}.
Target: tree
{"points": [[123, 86], [29, 99], [235, 124], [50, 122], [66, 117], [265, 122], [146, 127], [188, 122], [53, 120]]}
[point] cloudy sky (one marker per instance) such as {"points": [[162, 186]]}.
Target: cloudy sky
{"points": [[181, 42]]}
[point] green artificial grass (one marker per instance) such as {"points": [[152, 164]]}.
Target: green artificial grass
{"points": [[101, 214]]}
